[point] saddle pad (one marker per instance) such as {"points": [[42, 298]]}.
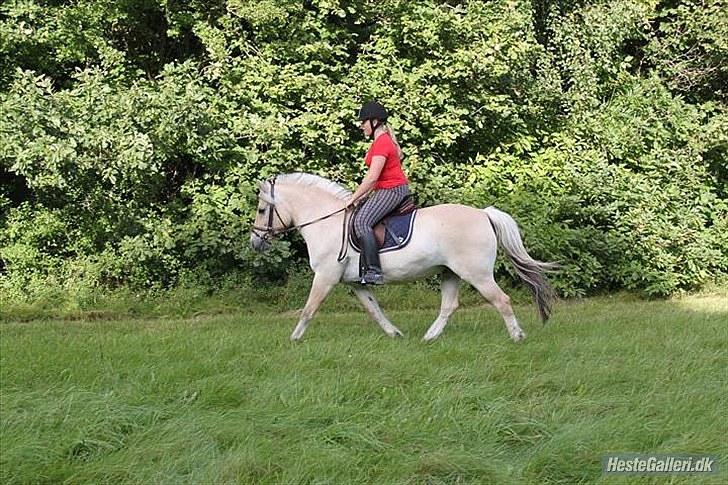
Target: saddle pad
{"points": [[400, 225]]}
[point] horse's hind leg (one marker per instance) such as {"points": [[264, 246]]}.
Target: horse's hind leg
{"points": [[487, 287], [320, 288], [372, 307], [450, 289]]}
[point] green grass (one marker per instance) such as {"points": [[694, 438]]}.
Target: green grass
{"points": [[222, 396]]}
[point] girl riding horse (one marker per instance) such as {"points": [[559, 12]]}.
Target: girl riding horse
{"points": [[386, 182]]}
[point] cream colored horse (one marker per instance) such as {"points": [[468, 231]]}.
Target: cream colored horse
{"points": [[459, 241]]}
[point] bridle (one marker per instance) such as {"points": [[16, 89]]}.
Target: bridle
{"points": [[269, 232]]}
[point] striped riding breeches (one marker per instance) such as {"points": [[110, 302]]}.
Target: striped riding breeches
{"points": [[378, 205]]}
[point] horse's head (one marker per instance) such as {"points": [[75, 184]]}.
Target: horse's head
{"points": [[268, 220]]}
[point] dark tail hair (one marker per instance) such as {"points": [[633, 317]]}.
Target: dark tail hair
{"points": [[528, 269]]}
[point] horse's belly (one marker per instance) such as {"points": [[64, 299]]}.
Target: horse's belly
{"points": [[401, 265]]}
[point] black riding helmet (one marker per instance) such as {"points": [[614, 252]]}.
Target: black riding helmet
{"points": [[373, 110]]}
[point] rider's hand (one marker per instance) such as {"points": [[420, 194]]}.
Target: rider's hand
{"points": [[348, 202]]}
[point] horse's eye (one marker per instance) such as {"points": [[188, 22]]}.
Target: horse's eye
{"points": [[261, 211]]}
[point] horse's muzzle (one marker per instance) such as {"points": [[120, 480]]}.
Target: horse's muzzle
{"points": [[258, 243]]}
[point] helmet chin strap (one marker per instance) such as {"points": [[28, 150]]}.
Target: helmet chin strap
{"points": [[373, 127]]}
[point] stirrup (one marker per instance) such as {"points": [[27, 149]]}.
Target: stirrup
{"points": [[372, 278]]}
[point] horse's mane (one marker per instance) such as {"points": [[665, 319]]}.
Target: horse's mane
{"points": [[311, 180]]}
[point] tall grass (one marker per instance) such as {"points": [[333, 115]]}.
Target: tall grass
{"points": [[224, 397]]}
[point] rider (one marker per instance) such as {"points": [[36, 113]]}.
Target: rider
{"points": [[387, 181]]}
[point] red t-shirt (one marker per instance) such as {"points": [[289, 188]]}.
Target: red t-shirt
{"points": [[392, 174]]}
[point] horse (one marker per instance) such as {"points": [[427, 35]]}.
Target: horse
{"points": [[456, 240]]}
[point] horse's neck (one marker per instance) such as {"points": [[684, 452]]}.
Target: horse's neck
{"points": [[308, 203]]}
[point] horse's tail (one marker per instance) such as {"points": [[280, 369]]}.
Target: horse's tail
{"points": [[529, 270]]}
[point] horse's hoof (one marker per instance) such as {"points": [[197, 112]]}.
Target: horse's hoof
{"points": [[519, 337], [396, 333], [433, 334]]}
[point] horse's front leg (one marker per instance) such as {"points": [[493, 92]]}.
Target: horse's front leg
{"points": [[372, 307], [320, 288]]}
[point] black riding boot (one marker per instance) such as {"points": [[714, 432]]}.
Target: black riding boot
{"points": [[371, 269]]}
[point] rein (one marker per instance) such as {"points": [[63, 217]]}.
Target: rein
{"points": [[269, 232]]}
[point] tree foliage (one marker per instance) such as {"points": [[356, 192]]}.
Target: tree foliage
{"points": [[133, 132]]}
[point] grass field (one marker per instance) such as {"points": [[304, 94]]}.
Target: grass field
{"points": [[224, 397]]}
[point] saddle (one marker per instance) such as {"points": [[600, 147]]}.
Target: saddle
{"points": [[394, 231]]}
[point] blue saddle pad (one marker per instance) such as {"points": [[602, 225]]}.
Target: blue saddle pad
{"points": [[397, 234]]}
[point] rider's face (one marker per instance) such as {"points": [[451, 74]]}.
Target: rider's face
{"points": [[366, 127]]}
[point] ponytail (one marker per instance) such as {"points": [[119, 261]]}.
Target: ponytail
{"points": [[389, 130]]}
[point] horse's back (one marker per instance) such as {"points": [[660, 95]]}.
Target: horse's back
{"points": [[456, 225], [456, 215]]}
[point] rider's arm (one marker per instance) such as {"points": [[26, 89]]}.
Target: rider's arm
{"points": [[375, 169]]}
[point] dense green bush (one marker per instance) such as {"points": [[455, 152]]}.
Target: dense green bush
{"points": [[133, 133]]}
